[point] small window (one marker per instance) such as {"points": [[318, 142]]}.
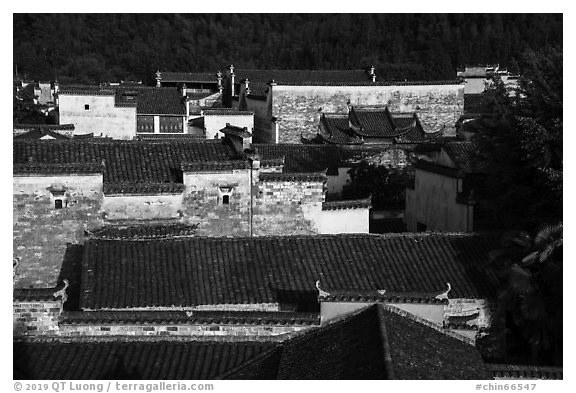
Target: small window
{"points": [[87, 107], [58, 203], [226, 199]]}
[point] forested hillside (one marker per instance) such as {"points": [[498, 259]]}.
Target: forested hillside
{"points": [[88, 48]]}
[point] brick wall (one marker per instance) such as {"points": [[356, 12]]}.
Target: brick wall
{"points": [[246, 331], [36, 318], [298, 108]]}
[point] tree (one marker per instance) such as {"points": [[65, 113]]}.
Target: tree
{"points": [[522, 139], [531, 292], [386, 185], [25, 110]]}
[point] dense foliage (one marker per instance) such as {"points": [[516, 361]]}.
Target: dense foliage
{"points": [[531, 294], [522, 139], [88, 48], [386, 186]]}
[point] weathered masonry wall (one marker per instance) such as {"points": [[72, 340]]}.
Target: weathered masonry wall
{"points": [[288, 207], [433, 203], [41, 232], [101, 117], [36, 318], [203, 202], [177, 330], [298, 108], [142, 207]]}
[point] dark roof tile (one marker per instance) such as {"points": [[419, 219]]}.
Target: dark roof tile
{"points": [[200, 271], [466, 156], [348, 204]]}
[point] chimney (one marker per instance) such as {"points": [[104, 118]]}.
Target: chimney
{"points": [[246, 142], [219, 76], [246, 87], [373, 78], [372, 71], [158, 78], [184, 90], [232, 80]]}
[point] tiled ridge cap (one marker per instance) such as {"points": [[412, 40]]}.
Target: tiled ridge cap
{"points": [[42, 168], [317, 176], [44, 126], [377, 83], [129, 339], [375, 296], [227, 112], [280, 318], [141, 232], [268, 162], [210, 166], [408, 235], [143, 188], [348, 204], [35, 294], [525, 371]]}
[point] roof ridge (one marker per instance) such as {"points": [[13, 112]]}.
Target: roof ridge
{"points": [[252, 360]]}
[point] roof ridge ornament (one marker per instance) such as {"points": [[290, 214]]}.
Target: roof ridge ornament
{"points": [[444, 295], [321, 293], [62, 292]]}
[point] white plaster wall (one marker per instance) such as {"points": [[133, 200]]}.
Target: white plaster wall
{"points": [[335, 184], [345, 221], [433, 203], [431, 312], [214, 123], [142, 207], [38, 184], [475, 85], [102, 117]]}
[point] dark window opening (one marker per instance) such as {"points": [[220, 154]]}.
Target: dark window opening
{"points": [[226, 199], [87, 107], [421, 227], [58, 203]]}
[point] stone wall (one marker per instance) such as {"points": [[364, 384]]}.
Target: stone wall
{"points": [[298, 108], [102, 117], [203, 202], [41, 232], [288, 207], [142, 207], [36, 318]]}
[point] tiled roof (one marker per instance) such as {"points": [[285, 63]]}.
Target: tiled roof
{"points": [[211, 166], [436, 168], [302, 76], [512, 371], [199, 77], [156, 137], [226, 112], [41, 133], [131, 360], [149, 100], [134, 162], [350, 204], [338, 130], [241, 132], [476, 103], [373, 122], [154, 100], [300, 158], [466, 156], [373, 343], [258, 90], [412, 128], [34, 294], [370, 83], [382, 297], [278, 318], [292, 176], [141, 232], [51, 127], [258, 270]]}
